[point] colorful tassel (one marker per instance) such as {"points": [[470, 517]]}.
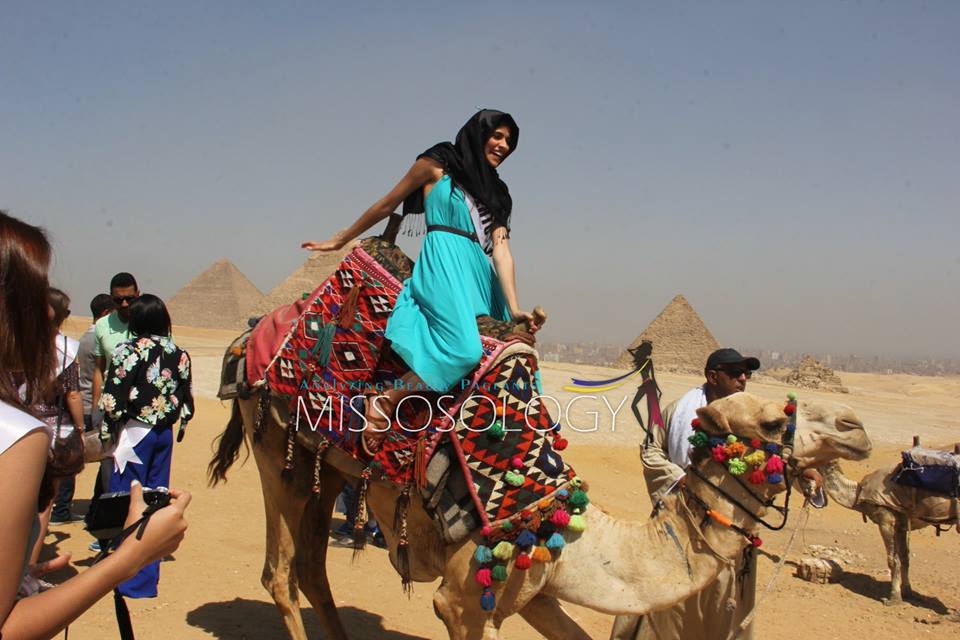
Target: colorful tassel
{"points": [[506, 526], [483, 577], [775, 464], [499, 573], [735, 449], [755, 458], [579, 499], [523, 562], [488, 601], [775, 478], [560, 444], [526, 538], [714, 441], [731, 439], [719, 453], [546, 529], [486, 531], [496, 430], [503, 550], [517, 462], [513, 479], [698, 439], [577, 524], [555, 542], [483, 554], [757, 476], [542, 554], [560, 518], [772, 447], [695, 423], [347, 313], [576, 482], [562, 495], [756, 443], [737, 466], [790, 409]]}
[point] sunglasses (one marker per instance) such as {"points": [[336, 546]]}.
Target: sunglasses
{"points": [[736, 373], [118, 300]]}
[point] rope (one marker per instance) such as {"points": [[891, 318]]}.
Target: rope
{"points": [[748, 620]]}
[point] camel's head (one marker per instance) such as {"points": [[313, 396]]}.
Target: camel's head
{"points": [[746, 416], [827, 432]]}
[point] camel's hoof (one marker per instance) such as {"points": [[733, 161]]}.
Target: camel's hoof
{"points": [[892, 602]]}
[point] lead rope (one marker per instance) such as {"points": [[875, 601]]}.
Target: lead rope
{"points": [[748, 620]]}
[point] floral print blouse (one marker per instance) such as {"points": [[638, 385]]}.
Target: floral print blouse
{"points": [[148, 380]]}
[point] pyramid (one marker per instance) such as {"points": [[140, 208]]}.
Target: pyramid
{"points": [[305, 279], [219, 298], [681, 341]]}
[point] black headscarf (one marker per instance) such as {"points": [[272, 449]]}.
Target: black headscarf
{"points": [[464, 161]]}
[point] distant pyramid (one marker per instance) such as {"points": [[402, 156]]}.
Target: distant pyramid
{"points": [[219, 298], [681, 341], [305, 279]]}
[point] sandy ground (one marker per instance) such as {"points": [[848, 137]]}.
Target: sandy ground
{"points": [[211, 588]]}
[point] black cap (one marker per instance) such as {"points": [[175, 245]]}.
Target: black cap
{"points": [[721, 357]]}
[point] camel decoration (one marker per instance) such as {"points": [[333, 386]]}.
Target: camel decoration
{"points": [[896, 509]]}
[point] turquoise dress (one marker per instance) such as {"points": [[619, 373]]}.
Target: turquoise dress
{"points": [[433, 326]]}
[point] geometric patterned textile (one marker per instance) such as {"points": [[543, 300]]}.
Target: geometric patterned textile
{"points": [[507, 394], [336, 350]]}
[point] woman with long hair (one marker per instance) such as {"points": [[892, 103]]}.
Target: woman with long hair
{"points": [[26, 374], [145, 392], [468, 211]]}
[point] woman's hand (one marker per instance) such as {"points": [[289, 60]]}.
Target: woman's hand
{"points": [[533, 321], [163, 533], [335, 243]]}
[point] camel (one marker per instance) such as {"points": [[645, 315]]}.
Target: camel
{"points": [[613, 566], [896, 509]]}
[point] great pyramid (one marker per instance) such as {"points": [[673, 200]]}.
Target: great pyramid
{"points": [[681, 341], [305, 279], [219, 298]]}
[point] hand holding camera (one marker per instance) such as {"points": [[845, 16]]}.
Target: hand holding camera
{"points": [[163, 531]]}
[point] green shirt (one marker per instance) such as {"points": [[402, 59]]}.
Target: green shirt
{"points": [[110, 331]]}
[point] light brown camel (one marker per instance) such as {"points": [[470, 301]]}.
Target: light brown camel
{"points": [[896, 509], [615, 567]]}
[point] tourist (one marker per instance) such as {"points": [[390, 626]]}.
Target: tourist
{"points": [[62, 408], [100, 306], [145, 392], [27, 367], [467, 208]]}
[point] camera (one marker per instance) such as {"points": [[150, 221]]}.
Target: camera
{"points": [[109, 511]]}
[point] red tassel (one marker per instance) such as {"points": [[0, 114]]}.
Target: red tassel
{"points": [[560, 444], [349, 308], [757, 477], [523, 562], [789, 409], [695, 423]]}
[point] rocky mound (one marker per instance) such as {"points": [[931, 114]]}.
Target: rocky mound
{"points": [[810, 374]]}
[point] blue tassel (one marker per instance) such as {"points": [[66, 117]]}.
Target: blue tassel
{"points": [[483, 554], [526, 538], [774, 478], [488, 601], [556, 542]]}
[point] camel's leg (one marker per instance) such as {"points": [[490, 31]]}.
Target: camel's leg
{"points": [[546, 615], [311, 560], [463, 622], [888, 531], [278, 577], [903, 551]]}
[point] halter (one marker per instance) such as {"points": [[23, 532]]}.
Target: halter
{"points": [[767, 460]]}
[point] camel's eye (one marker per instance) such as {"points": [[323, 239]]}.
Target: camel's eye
{"points": [[772, 426]]}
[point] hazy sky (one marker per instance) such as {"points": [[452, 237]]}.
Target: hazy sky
{"points": [[792, 168]]}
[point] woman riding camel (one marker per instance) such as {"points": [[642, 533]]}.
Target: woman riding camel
{"points": [[467, 206]]}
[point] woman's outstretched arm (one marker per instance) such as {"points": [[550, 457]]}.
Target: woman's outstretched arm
{"points": [[423, 171], [506, 274], [46, 614]]}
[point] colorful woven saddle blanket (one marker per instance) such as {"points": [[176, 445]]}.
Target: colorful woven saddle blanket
{"points": [[493, 431]]}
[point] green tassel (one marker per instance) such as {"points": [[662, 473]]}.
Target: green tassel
{"points": [[499, 573], [513, 479], [503, 550], [496, 430], [325, 343], [577, 524], [579, 499]]}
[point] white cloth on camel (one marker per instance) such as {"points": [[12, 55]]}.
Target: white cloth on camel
{"points": [[679, 430]]}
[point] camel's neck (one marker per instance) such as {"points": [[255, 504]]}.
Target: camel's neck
{"points": [[633, 567], [838, 486]]}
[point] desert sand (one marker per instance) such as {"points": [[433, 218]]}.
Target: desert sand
{"points": [[211, 587]]}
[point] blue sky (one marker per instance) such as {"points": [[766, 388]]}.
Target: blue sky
{"points": [[791, 168]]}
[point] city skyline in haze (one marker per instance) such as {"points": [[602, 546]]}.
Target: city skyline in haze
{"points": [[790, 169]]}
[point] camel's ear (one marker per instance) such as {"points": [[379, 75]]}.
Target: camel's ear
{"points": [[712, 420]]}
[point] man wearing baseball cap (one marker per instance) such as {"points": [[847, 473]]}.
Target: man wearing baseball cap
{"points": [[665, 455]]}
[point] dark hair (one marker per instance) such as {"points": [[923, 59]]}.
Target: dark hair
{"points": [[60, 303], [122, 280], [101, 303], [149, 316], [26, 338]]}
